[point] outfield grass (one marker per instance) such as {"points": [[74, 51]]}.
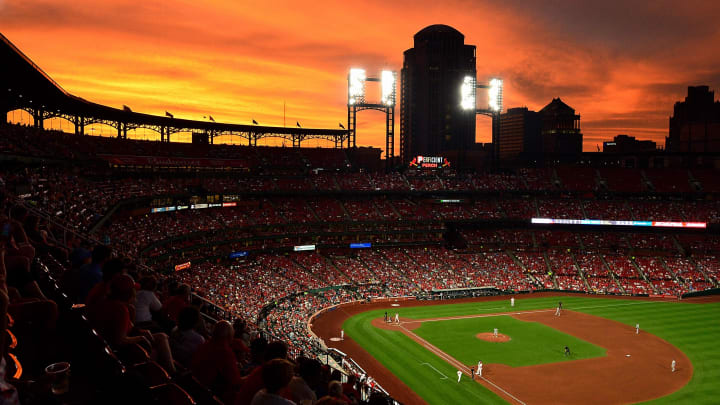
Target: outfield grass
{"points": [[531, 343], [693, 328]]}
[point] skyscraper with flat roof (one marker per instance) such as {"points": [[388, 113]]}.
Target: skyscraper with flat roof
{"points": [[431, 118], [695, 124], [519, 134]]}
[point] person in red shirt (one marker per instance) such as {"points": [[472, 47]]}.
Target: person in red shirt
{"points": [[110, 269], [214, 362], [112, 318], [253, 382], [179, 300]]}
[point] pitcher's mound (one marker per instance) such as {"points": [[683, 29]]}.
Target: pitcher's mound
{"points": [[488, 336]]}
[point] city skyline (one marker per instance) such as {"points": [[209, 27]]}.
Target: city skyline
{"points": [[621, 68]]}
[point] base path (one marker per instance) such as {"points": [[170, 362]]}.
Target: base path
{"points": [[613, 379]]}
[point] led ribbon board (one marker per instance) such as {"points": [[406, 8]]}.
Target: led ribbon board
{"points": [[605, 222]]}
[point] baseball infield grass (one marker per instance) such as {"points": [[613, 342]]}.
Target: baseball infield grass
{"points": [[531, 342], [693, 328]]}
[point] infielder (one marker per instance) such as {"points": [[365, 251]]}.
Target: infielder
{"points": [[559, 308], [479, 370], [397, 317], [495, 332], [342, 334], [472, 373], [637, 328], [567, 351], [512, 301], [459, 375], [672, 366]]}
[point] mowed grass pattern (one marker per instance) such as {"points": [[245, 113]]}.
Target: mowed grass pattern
{"points": [[693, 328], [531, 343]]}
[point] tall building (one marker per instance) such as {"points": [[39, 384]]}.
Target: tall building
{"points": [[560, 129], [431, 118], [695, 124], [519, 133]]}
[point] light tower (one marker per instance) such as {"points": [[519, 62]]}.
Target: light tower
{"points": [[468, 102], [357, 102]]}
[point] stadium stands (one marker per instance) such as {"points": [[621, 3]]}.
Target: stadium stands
{"points": [[479, 238]]}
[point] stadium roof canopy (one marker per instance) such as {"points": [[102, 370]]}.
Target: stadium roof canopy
{"points": [[26, 86]]}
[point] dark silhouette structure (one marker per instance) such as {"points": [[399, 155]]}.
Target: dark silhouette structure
{"points": [[25, 86], [628, 144], [695, 124], [519, 134], [527, 134], [431, 118], [560, 129]]}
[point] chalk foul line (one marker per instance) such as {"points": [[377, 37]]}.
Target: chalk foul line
{"points": [[453, 362], [438, 371]]}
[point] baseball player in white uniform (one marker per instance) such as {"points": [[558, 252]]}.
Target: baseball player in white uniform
{"points": [[512, 301], [495, 332], [637, 328], [342, 334], [672, 366], [397, 317], [459, 375], [479, 370]]}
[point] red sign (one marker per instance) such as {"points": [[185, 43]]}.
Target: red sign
{"points": [[182, 266]]}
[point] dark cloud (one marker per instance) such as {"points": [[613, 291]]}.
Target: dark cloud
{"points": [[639, 119], [637, 27], [540, 87]]}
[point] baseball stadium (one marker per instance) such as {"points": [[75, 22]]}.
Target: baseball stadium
{"points": [[215, 272]]}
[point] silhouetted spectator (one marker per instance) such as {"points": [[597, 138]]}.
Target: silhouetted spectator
{"points": [[301, 386], [276, 374], [99, 292], [88, 275], [214, 363], [112, 318], [147, 303], [184, 339], [254, 382], [179, 299]]}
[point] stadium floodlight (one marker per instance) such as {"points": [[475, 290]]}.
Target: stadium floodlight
{"points": [[495, 95], [356, 86], [467, 93], [387, 82]]}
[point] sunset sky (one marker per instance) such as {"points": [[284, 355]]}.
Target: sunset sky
{"points": [[621, 64]]}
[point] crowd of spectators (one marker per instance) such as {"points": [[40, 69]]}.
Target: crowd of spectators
{"points": [[132, 310]]}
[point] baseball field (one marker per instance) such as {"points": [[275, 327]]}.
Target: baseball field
{"points": [[417, 359]]}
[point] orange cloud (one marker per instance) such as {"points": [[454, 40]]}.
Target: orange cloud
{"points": [[620, 65]]}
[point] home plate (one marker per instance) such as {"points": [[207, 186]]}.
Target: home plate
{"points": [[394, 305], [335, 339]]}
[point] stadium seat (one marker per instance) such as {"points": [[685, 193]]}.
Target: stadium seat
{"points": [[171, 394]]}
